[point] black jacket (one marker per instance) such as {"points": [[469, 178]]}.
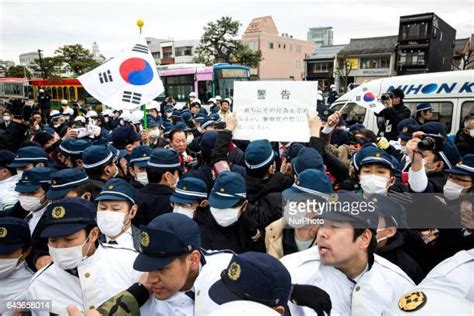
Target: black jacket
{"points": [[464, 143], [236, 237], [265, 195], [393, 115], [393, 251], [153, 200], [15, 134]]}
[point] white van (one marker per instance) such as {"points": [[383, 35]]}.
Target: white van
{"points": [[451, 95]]}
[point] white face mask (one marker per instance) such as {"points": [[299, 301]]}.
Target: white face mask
{"points": [[6, 118], [56, 125], [471, 132], [225, 217], [403, 148], [189, 212], [111, 223], [19, 173], [199, 129], [452, 190], [67, 258], [383, 238], [168, 114], [373, 184], [142, 177], [8, 266], [155, 133], [106, 119], [122, 122], [189, 139], [29, 203]]}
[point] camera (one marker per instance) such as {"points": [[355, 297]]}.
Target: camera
{"points": [[431, 142]]}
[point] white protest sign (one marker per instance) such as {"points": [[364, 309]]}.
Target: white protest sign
{"points": [[274, 110]]}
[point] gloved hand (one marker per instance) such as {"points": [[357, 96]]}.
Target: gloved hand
{"points": [[313, 297], [382, 143]]}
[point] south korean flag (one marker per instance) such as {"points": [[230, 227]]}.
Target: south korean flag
{"points": [[126, 81]]}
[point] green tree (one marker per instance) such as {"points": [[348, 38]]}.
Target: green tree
{"points": [[52, 66], [244, 55], [219, 44], [18, 71], [76, 59]]}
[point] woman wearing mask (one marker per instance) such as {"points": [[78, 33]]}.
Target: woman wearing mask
{"points": [[115, 209], [231, 223], [190, 197]]}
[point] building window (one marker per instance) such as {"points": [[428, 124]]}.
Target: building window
{"points": [[375, 62], [298, 48], [279, 45], [183, 51], [284, 46], [320, 67], [415, 30], [156, 55], [252, 45], [270, 45], [411, 58], [167, 54]]}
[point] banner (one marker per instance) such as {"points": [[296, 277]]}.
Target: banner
{"points": [[126, 81], [274, 110]]}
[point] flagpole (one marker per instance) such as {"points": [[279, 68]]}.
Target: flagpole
{"points": [[140, 24]]}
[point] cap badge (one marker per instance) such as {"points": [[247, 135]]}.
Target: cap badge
{"points": [[412, 301], [58, 212], [333, 198], [222, 189], [377, 155], [26, 177], [55, 182], [374, 199], [110, 187], [325, 112], [184, 188], [145, 239], [405, 129], [3, 232], [144, 155], [234, 271]]}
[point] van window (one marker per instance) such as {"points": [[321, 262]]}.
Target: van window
{"points": [[442, 112], [467, 108], [352, 113]]}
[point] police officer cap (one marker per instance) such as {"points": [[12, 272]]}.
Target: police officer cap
{"points": [[31, 180], [388, 208], [207, 121], [373, 154], [307, 158], [203, 111], [65, 180], [424, 107], [346, 206], [293, 151], [180, 125], [140, 156], [311, 184], [253, 276], [95, 156], [215, 117], [123, 136], [117, 190], [165, 238], [6, 158], [324, 114], [164, 159], [27, 155], [68, 216], [189, 190], [200, 117], [406, 128], [187, 116], [228, 190], [433, 128], [464, 167], [14, 234], [259, 155], [75, 146]]}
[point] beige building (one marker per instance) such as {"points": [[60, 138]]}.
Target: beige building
{"points": [[283, 55]]}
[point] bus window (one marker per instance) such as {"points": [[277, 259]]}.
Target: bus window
{"points": [[60, 93], [179, 87], [72, 93], [66, 93], [352, 113], [28, 92], [55, 93], [225, 78], [442, 112], [204, 90], [467, 109]]}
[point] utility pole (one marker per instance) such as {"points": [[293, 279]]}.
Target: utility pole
{"points": [[43, 72]]}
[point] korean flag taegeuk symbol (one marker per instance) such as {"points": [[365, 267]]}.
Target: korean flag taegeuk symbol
{"points": [[368, 100], [126, 81]]}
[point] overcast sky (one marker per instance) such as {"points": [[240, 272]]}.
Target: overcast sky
{"points": [[31, 25]]}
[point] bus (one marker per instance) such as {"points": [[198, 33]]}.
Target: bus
{"points": [[15, 88], [67, 88], [207, 81], [450, 93]]}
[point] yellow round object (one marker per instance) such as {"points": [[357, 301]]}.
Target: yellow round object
{"points": [[412, 301], [140, 23]]}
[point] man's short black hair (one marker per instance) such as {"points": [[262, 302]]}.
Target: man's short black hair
{"points": [[97, 172], [154, 174], [373, 240], [398, 93], [177, 130]]}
